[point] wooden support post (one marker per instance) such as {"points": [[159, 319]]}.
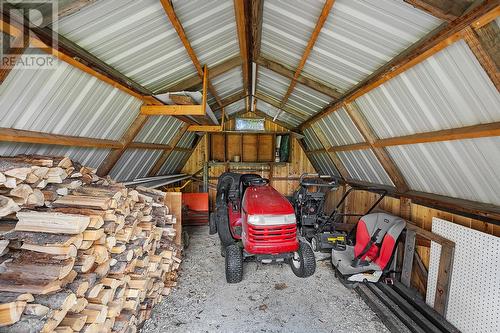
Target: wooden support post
{"points": [[408, 258], [444, 279]]}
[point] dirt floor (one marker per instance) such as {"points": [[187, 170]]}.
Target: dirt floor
{"points": [[270, 298]]}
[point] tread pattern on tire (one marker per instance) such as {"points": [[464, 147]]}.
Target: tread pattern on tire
{"points": [[234, 264], [307, 261]]}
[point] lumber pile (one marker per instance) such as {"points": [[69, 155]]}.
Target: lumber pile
{"points": [[80, 253]]}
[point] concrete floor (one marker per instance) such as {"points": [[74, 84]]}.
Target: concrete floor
{"points": [[270, 298]]}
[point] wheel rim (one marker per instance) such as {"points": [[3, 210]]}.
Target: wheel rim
{"points": [[314, 244], [296, 260]]}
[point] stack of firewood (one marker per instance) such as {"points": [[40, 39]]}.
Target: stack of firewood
{"points": [[80, 253]]}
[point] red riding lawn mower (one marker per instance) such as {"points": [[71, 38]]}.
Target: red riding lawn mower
{"points": [[254, 221]]}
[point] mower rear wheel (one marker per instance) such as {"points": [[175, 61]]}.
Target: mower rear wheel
{"points": [[315, 245], [234, 264], [212, 223], [303, 263]]}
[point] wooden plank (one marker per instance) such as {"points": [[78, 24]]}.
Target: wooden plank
{"points": [[163, 158], [289, 73], [355, 146], [444, 279], [310, 44], [249, 151], [418, 52], [382, 156], [169, 10], [265, 149], [233, 147], [173, 200], [15, 135], [408, 258], [217, 145], [231, 99], [204, 128], [152, 146], [173, 110]]}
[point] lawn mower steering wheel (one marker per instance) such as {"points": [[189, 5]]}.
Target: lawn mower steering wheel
{"points": [[259, 181]]}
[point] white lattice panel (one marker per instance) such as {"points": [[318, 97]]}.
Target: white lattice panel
{"points": [[474, 302]]}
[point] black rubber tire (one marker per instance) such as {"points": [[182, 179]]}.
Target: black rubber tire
{"points": [[212, 224], [185, 239], [223, 229], [305, 266], [315, 244], [234, 264]]}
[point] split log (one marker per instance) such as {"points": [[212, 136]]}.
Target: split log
{"points": [[56, 223]]}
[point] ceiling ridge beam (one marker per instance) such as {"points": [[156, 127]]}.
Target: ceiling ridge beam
{"points": [[418, 52], [257, 19], [166, 153], [176, 23], [287, 72], [446, 10], [310, 44], [381, 154]]}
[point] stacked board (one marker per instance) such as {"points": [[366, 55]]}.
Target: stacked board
{"points": [[80, 253]]}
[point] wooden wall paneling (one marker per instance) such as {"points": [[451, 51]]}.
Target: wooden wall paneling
{"points": [[249, 142], [217, 147], [233, 146], [265, 148]]}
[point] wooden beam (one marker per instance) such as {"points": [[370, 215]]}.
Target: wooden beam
{"points": [[257, 18], [166, 153], [114, 155], [204, 128], [287, 72], [382, 156], [150, 146], [15, 135], [193, 81], [354, 146], [489, 62], [447, 10], [314, 36], [468, 132], [173, 110], [426, 47], [239, 11], [169, 10]]}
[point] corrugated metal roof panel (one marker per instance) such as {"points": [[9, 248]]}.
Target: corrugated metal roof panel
{"points": [[271, 83], [187, 140], [339, 129], [286, 29], [135, 37], [90, 157], [229, 83], [361, 36], [311, 140], [328, 168], [308, 100], [448, 90], [173, 164], [67, 101], [235, 107], [468, 169], [272, 111], [159, 129], [210, 27], [135, 163], [363, 165]]}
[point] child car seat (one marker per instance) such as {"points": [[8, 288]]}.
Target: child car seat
{"points": [[376, 236]]}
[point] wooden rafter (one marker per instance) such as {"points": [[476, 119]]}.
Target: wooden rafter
{"points": [[166, 153], [169, 10], [447, 10], [195, 80], [381, 154], [232, 99], [308, 82], [426, 47], [127, 138], [310, 44], [239, 11], [15, 135], [488, 58], [257, 18]]}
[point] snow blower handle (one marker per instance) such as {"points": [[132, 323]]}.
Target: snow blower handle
{"points": [[316, 182]]}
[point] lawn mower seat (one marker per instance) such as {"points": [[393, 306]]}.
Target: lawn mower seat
{"points": [[376, 236]]}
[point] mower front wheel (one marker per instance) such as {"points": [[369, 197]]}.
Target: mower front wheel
{"points": [[303, 263], [234, 264]]}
